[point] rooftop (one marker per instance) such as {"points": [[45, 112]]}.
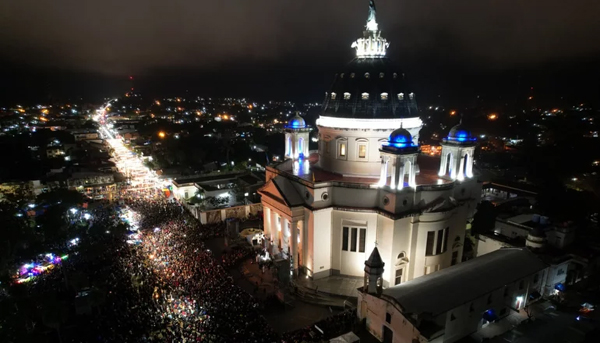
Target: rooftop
{"points": [[466, 281], [428, 174]]}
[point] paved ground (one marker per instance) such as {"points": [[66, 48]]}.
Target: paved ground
{"points": [[295, 315], [345, 286]]}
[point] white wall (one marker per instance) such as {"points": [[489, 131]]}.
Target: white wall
{"points": [[322, 245]]}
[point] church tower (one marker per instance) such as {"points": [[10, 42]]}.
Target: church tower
{"points": [[373, 283], [399, 160], [296, 138], [457, 153]]}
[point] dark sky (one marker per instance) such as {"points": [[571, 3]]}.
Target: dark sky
{"points": [[284, 40]]}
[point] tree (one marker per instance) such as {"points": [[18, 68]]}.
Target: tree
{"points": [[484, 219]]}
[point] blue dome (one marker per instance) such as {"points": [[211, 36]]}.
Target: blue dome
{"points": [[400, 138], [460, 133], [296, 123]]}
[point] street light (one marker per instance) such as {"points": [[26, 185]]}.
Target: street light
{"points": [[161, 134]]}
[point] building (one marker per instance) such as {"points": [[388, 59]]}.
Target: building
{"points": [[368, 182], [453, 303]]}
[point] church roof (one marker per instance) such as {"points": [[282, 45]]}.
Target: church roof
{"points": [[449, 288], [375, 260]]}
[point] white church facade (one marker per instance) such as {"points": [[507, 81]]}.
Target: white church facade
{"points": [[368, 185]]}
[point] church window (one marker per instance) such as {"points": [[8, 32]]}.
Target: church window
{"points": [[400, 96], [454, 258], [346, 96], [429, 246], [384, 96], [442, 238], [367, 75], [411, 96], [381, 75], [362, 151], [452, 317], [345, 238], [353, 239], [388, 318], [342, 149], [365, 96], [333, 95], [326, 147], [361, 242], [398, 278]]}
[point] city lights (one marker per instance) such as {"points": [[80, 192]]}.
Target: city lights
{"points": [[161, 134]]}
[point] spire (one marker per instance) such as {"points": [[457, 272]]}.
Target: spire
{"points": [[372, 45]]}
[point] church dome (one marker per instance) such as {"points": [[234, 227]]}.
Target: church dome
{"points": [[461, 134], [296, 123], [370, 88], [400, 137]]}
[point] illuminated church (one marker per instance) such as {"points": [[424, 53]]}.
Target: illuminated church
{"points": [[368, 185]]}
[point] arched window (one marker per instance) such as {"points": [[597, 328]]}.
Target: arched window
{"points": [[333, 95], [367, 75], [352, 75], [346, 96], [365, 96], [400, 96], [384, 96], [381, 75], [411, 96]]}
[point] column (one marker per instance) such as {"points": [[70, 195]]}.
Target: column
{"points": [[461, 169], [469, 166], [394, 174], [294, 248], [401, 176], [443, 161], [285, 236]]}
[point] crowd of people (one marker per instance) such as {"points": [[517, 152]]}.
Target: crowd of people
{"points": [[167, 288]]}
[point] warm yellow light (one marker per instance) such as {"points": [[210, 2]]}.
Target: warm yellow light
{"points": [[178, 99], [275, 121], [225, 117], [452, 112], [157, 102], [198, 113], [43, 119], [493, 116], [530, 98], [161, 134], [45, 111]]}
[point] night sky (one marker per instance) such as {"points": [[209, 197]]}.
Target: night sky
{"points": [[283, 48]]}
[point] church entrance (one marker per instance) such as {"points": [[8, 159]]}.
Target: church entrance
{"points": [[388, 335]]}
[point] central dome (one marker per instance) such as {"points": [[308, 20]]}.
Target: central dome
{"points": [[370, 88]]}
